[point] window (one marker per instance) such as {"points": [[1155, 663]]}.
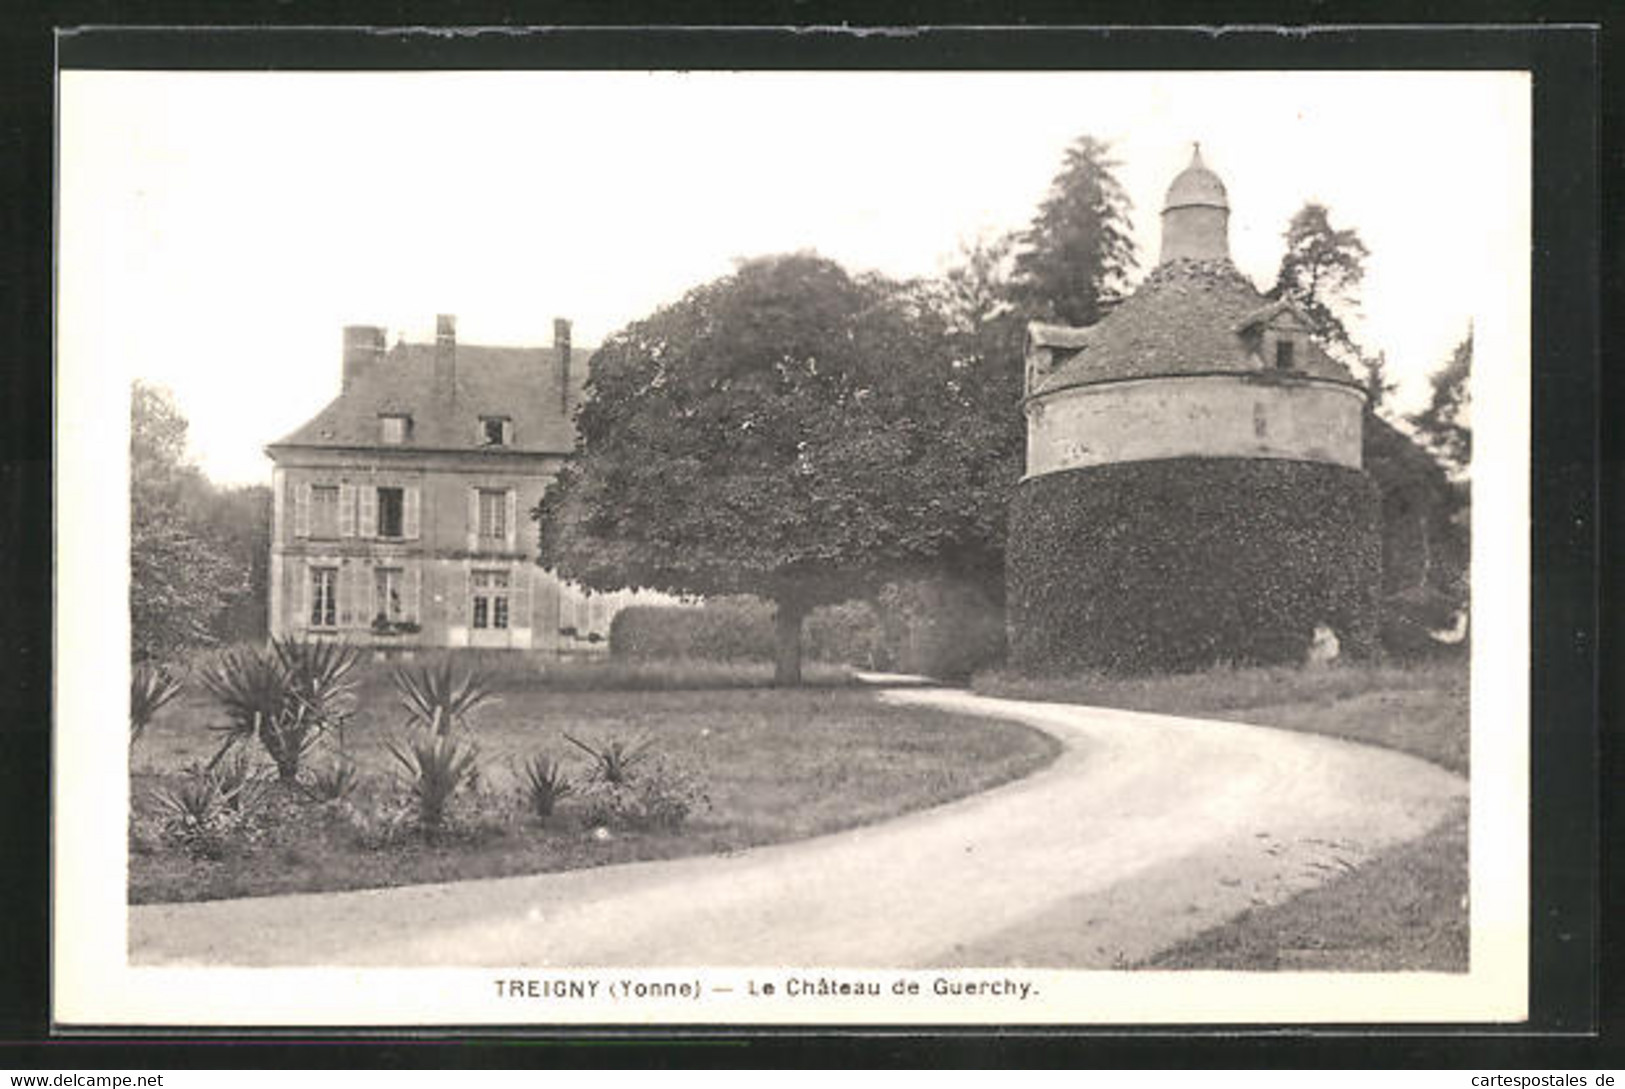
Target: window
{"points": [[395, 430], [324, 596], [495, 430], [493, 515], [1283, 354], [391, 505], [389, 583], [490, 590], [324, 510]]}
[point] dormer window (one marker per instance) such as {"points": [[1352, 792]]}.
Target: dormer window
{"points": [[495, 431], [394, 430], [1284, 349]]}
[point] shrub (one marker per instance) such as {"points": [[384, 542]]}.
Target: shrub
{"points": [[436, 766], [439, 697], [545, 784], [1409, 619], [1176, 565], [851, 632], [660, 797], [740, 629], [943, 628], [151, 687], [725, 628]]}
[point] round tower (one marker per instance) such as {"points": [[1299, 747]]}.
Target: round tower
{"points": [[1196, 214], [1194, 490]]}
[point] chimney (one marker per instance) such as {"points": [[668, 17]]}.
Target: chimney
{"points": [[561, 342], [363, 347], [445, 357]]}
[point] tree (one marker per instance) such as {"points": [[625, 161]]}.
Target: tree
{"points": [[180, 577], [1320, 273], [786, 431], [1076, 255], [1445, 425]]}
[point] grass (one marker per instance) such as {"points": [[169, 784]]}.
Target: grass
{"points": [[1405, 910], [776, 765], [1421, 709]]}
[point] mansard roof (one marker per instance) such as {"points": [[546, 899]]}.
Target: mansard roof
{"points": [[522, 384], [1188, 317]]}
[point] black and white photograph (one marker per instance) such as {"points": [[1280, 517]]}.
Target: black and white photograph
{"points": [[792, 547]]}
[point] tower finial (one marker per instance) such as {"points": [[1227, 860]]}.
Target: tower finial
{"points": [[1196, 153]]}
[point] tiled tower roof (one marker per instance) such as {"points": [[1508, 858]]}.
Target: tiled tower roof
{"points": [[1188, 317]]}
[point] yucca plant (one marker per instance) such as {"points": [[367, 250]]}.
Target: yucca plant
{"points": [[615, 761], [287, 697], [437, 699], [334, 782], [436, 768], [241, 785], [151, 687], [545, 784], [194, 811], [318, 673]]}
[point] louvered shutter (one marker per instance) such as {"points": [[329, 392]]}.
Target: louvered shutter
{"points": [[409, 514], [368, 595], [301, 512], [521, 595], [513, 510], [414, 594], [473, 519], [347, 510], [369, 512], [304, 598]]}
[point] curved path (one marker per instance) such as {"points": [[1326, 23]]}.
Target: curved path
{"points": [[1145, 830]]}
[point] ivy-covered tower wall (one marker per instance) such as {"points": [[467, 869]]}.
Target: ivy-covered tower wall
{"points": [[1194, 491]]}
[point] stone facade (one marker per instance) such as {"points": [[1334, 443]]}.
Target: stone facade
{"points": [[401, 512]]}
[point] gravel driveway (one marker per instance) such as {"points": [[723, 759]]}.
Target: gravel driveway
{"points": [[1146, 830]]}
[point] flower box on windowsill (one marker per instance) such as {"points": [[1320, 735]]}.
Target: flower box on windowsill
{"points": [[380, 626]]}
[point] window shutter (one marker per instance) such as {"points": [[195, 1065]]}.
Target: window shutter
{"points": [[347, 510], [305, 602], [473, 519], [513, 509], [369, 512], [301, 515], [409, 515], [369, 599], [414, 595], [521, 596]]}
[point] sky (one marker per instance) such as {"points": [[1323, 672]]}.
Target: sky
{"points": [[217, 230]]}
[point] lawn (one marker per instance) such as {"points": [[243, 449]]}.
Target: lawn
{"points": [[774, 765], [1407, 909]]}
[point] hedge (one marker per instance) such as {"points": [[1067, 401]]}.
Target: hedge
{"points": [[1180, 564], [740, 629]]}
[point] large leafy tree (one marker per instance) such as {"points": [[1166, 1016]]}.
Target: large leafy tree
{"points": [[788, 431], [1074, 259], [181, 577], [1446, 423], [1320, 273]]}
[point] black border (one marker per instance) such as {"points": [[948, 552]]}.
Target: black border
{"points": [[1565, 981]]}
